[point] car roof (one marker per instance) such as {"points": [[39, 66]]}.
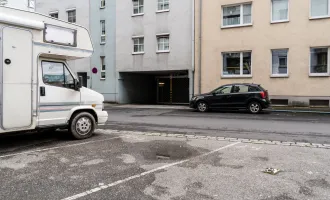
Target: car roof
{"points": [[251, 84]]}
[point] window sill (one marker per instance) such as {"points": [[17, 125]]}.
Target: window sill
{"points": [[235, 76], [280, 21], [102, 7], [318, 75], [320, 17], [136, 15], [236, 26], [102, 43], [279, 76], [162, 51], [102, 79], [162, 11], [137, 53]]}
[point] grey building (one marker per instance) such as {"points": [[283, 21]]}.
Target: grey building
{"points": [[99, 17], [154, 51], [75, 11], [103, 30]]}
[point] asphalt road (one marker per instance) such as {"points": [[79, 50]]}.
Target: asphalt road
{"points": [[129, 166], [311, 128]]}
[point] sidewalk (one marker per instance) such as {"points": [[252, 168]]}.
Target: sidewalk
{"points": [[315, 110]]}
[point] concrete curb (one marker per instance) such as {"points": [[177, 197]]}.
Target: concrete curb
{"points": [[299, 111], [203, 137]]}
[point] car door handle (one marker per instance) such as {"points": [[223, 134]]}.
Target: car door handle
{"points": [[228, 96], [42, 91]]}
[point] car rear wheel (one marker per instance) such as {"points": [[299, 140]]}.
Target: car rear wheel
{"points": [[202, 106], [254, 107]]}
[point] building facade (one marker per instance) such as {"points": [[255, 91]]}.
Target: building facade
{"points": [[28, 5], [74, 11], [154, 51], [281, 44], [103, 31]]}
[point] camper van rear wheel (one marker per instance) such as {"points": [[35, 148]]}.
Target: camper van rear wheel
{"points": [[82, 125]]}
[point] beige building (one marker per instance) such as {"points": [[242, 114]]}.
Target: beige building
{"points": [[281, 44]]}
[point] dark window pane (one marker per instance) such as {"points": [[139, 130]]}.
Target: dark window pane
{"points": [[319, 60], [231, 63], [247, 63]]}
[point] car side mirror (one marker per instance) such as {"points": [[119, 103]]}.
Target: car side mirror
{"points": [[214, 93], [78, 84]]}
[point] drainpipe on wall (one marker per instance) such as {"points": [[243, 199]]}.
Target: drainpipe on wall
{"points": [[200, 48], [193, 48]]}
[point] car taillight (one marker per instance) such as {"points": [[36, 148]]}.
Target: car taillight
{"points": [[263, 95]]}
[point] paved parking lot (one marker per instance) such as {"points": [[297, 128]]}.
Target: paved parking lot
{"points": [[128, 165]]}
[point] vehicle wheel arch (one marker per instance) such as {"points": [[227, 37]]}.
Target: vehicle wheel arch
{"points": [[89, 110]]}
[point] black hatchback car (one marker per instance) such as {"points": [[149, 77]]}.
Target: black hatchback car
{"points": [[252, 97]]}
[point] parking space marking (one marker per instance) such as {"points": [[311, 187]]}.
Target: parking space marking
{"points": [[97, 189], [64, 146]]}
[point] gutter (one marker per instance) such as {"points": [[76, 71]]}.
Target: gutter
{"points": [[200, 47], [193, 47]]}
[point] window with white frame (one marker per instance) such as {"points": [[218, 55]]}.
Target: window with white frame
{"points": [[319, 61], [102, 4], [163, 43], [280, 62], [138, 7], [319, 8], [54, 14], [72, 16], [163, 5], [138, 44], [237, 64], [103, 35], [32, 4], [237, 15], [103, 68], [280, 10]]}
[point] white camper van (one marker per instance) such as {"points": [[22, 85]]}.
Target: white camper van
{"points": [[38, 90]]}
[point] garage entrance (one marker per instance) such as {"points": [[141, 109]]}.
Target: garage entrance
{"points": [[173, 90], [170, 87]]}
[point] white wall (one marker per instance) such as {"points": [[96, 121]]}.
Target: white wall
{"points": [[20, 4]]}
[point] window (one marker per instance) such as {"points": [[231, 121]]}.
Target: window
{"points": [[56, 74], [241, 89], [237, 64], [163, 43], [103, 36], [319, 61], [103, 68], [319, 8], [163, 5], [32, 4], [72, 16], [137, 7], [138, 45], [54, 15], [102, 4], [238, 15], [223, 90], [280, 62], [280, 10]]}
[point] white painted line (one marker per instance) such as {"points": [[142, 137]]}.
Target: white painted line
{"points": [[83, 194], [64, 146]]}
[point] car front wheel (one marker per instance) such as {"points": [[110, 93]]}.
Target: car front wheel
{"points": [[202, 106], [82, 125], [254, 107]]}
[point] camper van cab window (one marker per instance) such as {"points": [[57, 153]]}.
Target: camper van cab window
{"points": [[56, 74]]}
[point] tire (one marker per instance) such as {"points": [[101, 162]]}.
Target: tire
{"points": [[202, 106], [254, 107], [82, 125]]}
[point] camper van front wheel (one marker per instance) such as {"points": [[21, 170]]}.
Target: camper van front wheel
{"points": [[82, 125]]}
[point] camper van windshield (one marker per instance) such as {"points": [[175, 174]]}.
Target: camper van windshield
{"points": [[56, 74]]}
